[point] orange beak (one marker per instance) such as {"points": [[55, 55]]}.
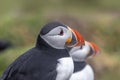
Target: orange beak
{"points": [[78, 38], [95, 47]]}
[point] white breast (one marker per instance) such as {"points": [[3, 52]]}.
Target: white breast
{"points": [[64, 68], [85, 74]]}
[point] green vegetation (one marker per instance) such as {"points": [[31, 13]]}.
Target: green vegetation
{"points": [[97, 20]]}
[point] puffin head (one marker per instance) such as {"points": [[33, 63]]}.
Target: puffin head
{"points": [[79, 53], [59, 36]]}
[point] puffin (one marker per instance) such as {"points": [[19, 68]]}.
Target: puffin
{"points": [[49, 59], [82, 70]]}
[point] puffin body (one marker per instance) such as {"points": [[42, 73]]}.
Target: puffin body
{"points": [[82, 70], [48, 60]]}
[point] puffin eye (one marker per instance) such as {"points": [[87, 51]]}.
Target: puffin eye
{"points": [[81, 47], [61, 32]]}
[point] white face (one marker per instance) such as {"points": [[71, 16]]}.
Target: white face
{"points": [[57, 37], [80, 54]]}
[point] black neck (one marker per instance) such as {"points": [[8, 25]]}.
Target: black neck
{"points": [[78, 66]]}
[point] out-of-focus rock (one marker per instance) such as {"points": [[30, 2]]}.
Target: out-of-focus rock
{"points": [[4, 44]]}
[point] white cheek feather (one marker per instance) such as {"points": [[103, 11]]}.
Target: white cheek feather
{"points": [[55, 40], [85, 74], [64, 68]]}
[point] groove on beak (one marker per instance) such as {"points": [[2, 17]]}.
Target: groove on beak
{"points": [[76, 39], [95, 47]]}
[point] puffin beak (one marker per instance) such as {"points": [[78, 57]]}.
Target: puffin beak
{"points": [[76, 39], [95, 48]]}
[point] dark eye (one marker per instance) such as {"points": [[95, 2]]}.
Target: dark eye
{"points": [[81, 47], [61, 32]]}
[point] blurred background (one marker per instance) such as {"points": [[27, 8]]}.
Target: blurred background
{"points": [[96, 20]]}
